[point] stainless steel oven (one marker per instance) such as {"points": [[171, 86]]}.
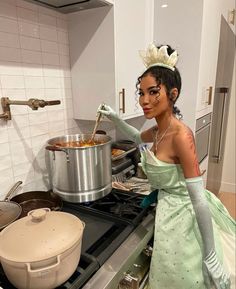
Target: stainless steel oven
{"points": [[202, 136]]}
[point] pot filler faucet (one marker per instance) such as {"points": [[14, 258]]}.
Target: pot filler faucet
{"points": [[33, 103]]}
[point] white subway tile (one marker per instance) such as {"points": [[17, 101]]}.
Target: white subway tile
{"points": [[66, 82], [48, 33], [41, 129], [52, 94], [34, 82], [50, 58], [20, 120], [17, 94], [56, 126], [12, 81], [6, 181], [10, 68], [4, 149], [61, 24], [50, 70], [68, 103], [49, 46], [7, 10], [9, 40], [29, 29], [5, 163], [3, 136], [19, 133], [8, 25], [22, 157], [66, 72], [33, 70], [27, 15], [71, 123], [57, 133], [29, 56], [56, 116], [35, 93], [22, 169], [18, 109], [47, 20], [52, 82], [40, 140], [10, 54], [38, 117], [27, 5], [63, 49], [20, 145], [30, 43], [62, 37], [64, 61], [67, 93], [9, 2]]}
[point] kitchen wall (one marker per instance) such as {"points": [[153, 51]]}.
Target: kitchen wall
{"points": [[34, 63]]}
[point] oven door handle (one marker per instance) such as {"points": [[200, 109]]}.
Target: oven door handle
{"points": [[144, 281]]}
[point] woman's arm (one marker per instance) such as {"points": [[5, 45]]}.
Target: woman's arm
{"points": [[184, 145]]}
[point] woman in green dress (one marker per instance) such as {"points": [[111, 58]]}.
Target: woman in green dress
{"points": [[194, 234]]}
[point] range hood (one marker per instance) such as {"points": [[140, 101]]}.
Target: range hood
{"points": [[68, 6]]}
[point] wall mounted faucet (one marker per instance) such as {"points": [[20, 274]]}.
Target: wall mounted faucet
{"points": [[33, 103]]}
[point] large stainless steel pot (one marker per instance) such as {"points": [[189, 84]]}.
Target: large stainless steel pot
{"points": [[80, 174], [42, 250]]}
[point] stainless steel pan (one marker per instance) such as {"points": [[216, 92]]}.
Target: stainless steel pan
{"points": [[9, 210]]}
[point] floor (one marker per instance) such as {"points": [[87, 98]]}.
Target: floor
{"points": [[229, 200]]}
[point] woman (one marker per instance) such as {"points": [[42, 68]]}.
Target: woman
{"points": [[190, 222]]}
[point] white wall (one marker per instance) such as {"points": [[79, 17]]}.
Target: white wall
{"points": [[34, 63]]}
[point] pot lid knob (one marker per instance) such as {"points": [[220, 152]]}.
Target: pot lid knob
{"points": [[39, 214]]}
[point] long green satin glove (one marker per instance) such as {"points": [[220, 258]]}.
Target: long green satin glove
{"points": [[213, 270], [127, 129]]}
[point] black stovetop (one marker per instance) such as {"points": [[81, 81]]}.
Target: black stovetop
{"points": [[108, 222]]}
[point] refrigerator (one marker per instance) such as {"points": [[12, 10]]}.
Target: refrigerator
{"points": [[224, 75]]}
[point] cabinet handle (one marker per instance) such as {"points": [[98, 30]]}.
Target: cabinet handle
{"points": [[122, 100], [219, 142], [210, 89]]}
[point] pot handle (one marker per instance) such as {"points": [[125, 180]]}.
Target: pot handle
{"points": [[44, 270], [55, 148]]}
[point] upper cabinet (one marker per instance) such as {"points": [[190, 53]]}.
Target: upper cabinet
{"points": [[193, 28], [104, 51]]}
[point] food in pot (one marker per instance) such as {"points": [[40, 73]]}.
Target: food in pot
{"points": [[78, 144]]}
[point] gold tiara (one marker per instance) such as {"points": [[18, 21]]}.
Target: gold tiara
{"points": [[154, 56]]}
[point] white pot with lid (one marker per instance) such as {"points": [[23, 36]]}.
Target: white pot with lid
{"points": [[42, 250]]}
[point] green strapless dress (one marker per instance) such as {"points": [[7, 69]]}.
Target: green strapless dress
{"points": [[177, 251]]}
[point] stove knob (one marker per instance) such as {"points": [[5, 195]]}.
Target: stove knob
{"points": [[148, 251], [129, 282]]}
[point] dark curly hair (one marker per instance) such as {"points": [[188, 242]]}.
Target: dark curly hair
{"points": [[170, 79]]}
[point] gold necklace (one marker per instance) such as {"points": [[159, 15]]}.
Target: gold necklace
{"points": [[163, 135]]}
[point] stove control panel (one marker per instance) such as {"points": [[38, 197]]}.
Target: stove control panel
{"points": [[136, 277]]}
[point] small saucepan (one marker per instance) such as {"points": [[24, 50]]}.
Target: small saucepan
{"points": [[9, 210]]}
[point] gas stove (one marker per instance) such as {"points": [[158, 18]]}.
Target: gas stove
{"points": [[110, 223]]}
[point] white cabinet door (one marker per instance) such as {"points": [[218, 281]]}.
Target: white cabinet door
{"points": [[133, 23], [104, 51]]}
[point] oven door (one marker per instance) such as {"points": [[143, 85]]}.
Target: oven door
{"points": [[136, 277]]}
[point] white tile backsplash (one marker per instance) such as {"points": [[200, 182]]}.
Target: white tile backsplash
{"points": [[9, 40], [30, 43], [34, 63], [8, 25]]}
